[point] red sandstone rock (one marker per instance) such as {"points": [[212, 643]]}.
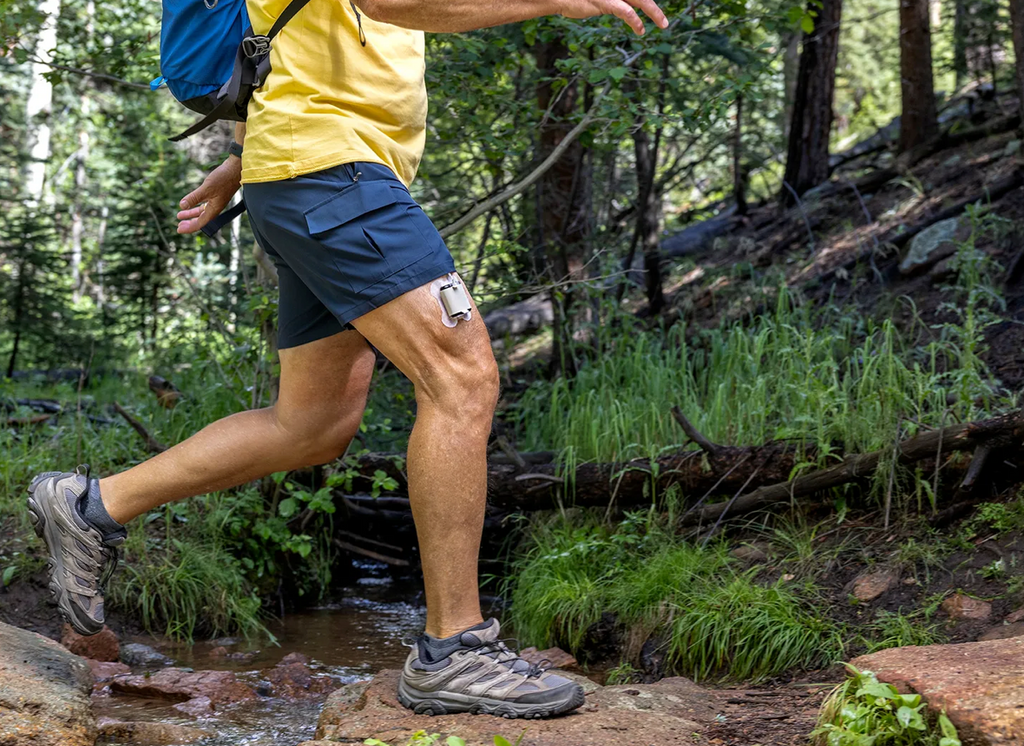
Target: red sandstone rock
{"points": [[176, 684], [99, 647], [873, 584], [554, 657], [105, 670], [980, 685], [145, 733], [197, 707], [294, 680], [219, 652], [1017, 616], [1003, 632], [961, 606], [294, 658], [640, 715]]}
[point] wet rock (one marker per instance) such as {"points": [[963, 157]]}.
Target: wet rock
{"points": [[142, 656], [1017, 616], [219, 652], [145, 733], [197, 707], [662, 713], [103, 671], [225, 642], [980, 685], [294, 658], [1003, 632], [44, 692], [179, 685], [240, 656], [552, 657], [756, 551], [934, 243], [294, 680], [961, 606], [873, 584], [103, 646]]}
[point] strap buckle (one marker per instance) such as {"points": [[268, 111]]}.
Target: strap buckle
{"points": [[256, 46]]}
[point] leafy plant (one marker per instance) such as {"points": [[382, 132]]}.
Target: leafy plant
{"points": [[896, 630], [862, 711]]}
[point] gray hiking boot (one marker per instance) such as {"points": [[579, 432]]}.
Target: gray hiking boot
{"points": [[476, 672], [80, 562]]}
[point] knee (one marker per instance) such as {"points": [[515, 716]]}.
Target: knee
{"points": [[313, 438], [465, 385]]}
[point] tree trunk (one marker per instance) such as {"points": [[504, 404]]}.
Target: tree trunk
{"points": [[19, 313], [807, 157], [918, 122], [1017, 18], [563, 195], [648, 221], [960, 33], [790, 71], [40, 100], [81, 158], [739, 178]]}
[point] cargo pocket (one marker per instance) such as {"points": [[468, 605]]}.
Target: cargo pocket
{"points": [[343, 224]]}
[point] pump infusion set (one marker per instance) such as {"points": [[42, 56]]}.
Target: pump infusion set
{"points": [[454, 297]]}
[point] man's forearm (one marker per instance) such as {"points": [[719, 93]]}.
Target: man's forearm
{"points": [[240, 133], [456, 15]]}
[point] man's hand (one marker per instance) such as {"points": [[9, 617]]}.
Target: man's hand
{"points": [[624, 9], [210, 199]]}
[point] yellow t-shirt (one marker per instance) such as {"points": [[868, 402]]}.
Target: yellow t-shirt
{"points": [[331, 100]]}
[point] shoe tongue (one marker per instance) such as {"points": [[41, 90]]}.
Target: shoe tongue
{"points": [[486, 632]]}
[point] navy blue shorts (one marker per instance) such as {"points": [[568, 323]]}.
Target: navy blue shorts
{"points": [[345, 241]]}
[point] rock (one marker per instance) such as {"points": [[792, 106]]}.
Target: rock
{"points": [[104, 670], [103, 646], [44, 692], [872, 584], [242, 656], [554, 657], [662, 713], [142, 656], [197, 707], [935, 242], [178, 685], [219, 652], [225, 642], [980, 685], [962, 606], [942, 271], [294, 680], [1003, 632], [294, 658], [1017, 616], [145, 733], [756, 551]]}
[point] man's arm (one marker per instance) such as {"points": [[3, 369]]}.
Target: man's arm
{"points": [[467, 15], [208, 201]]}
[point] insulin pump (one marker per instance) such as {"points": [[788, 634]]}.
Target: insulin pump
{"points": [[454, 297]]}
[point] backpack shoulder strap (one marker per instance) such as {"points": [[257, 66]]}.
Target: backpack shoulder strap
{"points": [[286, 15]]}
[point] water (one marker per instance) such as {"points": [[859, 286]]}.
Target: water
{"points": [[349, 640]]}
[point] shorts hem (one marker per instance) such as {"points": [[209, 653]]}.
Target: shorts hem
{"points": [[399, 287]]}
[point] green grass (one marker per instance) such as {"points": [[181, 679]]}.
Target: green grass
{"points": [[714, 619], [896, 630]]}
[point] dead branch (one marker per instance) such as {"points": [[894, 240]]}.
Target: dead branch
{"points": [[712, 449], [152, 444], [998, 431], [353, 549]]}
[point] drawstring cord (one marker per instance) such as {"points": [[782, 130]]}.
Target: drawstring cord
{"points": [[359, 21]]}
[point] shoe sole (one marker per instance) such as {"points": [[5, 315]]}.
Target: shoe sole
{"points": [[46, 528], [446, 703]]}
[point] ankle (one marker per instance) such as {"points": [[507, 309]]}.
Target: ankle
{"points": [[442, 629]]}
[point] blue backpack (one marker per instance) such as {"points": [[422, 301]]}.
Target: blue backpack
{"points": [[212, 60]]}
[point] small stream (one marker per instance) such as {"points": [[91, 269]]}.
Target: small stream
{"points": [[349, 640]]}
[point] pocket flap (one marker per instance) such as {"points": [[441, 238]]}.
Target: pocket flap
{"points": [[349, 204]]}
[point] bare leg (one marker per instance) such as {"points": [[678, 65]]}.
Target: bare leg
{"points": [[323, 393], [456, 382]]}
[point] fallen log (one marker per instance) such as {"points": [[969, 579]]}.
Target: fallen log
{"points": [[998, 432]]}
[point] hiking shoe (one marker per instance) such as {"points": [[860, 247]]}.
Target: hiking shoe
{"points": [[80, 562], [476, 672]]}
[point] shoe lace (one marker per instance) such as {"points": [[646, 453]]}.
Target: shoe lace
{"points": [[110, 554], [510, 646]]}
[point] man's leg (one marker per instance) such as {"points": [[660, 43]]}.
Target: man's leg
{"points": [[323, 392], [456, 380]]}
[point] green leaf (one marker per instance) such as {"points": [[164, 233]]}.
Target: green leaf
{"points": [[287, 507], [905, 716], [617, 73], [455, 741], [501, 741], [807, 24], [9, 574]]}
